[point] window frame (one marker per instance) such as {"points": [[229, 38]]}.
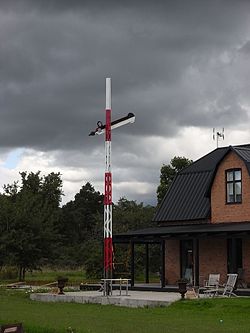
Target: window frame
{"points": [[233, 182]]}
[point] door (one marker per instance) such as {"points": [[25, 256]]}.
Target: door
{"points": [[234, 255], [187, 260]]}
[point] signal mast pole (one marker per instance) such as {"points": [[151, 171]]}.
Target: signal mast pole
{"points": [[101, 129], [108, 247]]}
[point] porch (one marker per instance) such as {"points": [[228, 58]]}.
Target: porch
{"points": [[194, 249], [156, 287]]}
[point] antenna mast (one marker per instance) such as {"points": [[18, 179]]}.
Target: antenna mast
{"points": [[219, 135]]}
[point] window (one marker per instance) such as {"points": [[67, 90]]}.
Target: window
{"points": [[233, 186]]}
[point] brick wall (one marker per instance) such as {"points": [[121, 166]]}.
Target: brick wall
{"points": [[220, 211], [172, 260], [212, 258]]}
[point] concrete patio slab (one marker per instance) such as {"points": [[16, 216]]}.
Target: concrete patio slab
{"points": [[135, 299]]}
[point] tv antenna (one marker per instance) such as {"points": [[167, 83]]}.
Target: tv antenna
{"points": [[218, 135]]}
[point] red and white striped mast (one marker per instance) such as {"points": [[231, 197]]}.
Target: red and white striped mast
{"points": [[108, 247], [107, 128]]}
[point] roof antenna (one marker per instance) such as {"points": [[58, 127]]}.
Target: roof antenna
{"points": [[219, 135]]}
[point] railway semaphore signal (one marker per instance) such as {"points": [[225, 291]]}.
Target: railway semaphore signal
{"points": [[107, 129]]}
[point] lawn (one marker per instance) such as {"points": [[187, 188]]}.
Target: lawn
{"points": [[50, 275], [46, 275], [210, 315]]}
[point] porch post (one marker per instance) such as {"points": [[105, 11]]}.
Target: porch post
{"points": [[132, 246], [196, 261], [113, 273], [163, 283], [147, 264]]}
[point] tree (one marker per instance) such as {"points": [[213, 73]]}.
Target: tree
{"points": [[78, 216], [168, 172], [81, 226], [129, 215], [30, 228], [5, 222]]}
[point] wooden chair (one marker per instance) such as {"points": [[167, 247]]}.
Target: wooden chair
{"points": [[230, 285], [228, 288], [211, 286]]}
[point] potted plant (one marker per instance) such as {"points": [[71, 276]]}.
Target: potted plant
{"points": [[61, 281], [182, 283]]}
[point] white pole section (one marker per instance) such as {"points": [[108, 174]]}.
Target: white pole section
{"points": [[108, 93]]}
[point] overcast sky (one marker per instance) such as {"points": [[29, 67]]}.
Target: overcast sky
{"points": [[182, 67]]}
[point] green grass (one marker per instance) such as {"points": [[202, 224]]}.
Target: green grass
{"points": [[153, 278], [44, 276], [210, 315], [49, 275]]}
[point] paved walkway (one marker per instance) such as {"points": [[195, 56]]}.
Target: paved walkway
{"points": [[134, 299]]}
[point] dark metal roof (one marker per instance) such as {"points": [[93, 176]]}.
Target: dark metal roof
{"points": [[188, 197], [244, 153], [207, 162], [193, 230]]}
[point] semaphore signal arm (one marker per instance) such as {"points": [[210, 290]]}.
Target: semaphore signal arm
{"points": [[130, 118]]}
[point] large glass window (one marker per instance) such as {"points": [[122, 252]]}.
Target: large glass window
{"points": [[187, 260], [233, 186], [234, 255]]}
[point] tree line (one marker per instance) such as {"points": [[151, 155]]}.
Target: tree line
{"points": [[36, 231]]}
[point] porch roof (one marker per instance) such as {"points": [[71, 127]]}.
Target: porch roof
{"points": [[234, 229]]}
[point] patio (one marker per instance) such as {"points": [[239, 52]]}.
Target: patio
{"points": [[134, 299]]}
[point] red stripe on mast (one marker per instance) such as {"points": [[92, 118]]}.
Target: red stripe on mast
{"points": [[108, 126], [108, 189], [108, 254]]}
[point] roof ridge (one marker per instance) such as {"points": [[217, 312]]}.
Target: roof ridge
{"points": [[202, 157]]}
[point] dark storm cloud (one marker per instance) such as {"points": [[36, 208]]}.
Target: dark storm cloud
{"points": [[55, 55]]}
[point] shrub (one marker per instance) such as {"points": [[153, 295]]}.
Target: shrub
{"points": [[8, 273]]}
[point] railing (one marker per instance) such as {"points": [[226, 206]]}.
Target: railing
{"points": [[109, 283]]}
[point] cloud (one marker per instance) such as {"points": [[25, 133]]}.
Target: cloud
{"points": [[182, 68]]}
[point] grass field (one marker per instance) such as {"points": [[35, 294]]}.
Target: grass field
{"points": [[210, 315], [46, 275]]}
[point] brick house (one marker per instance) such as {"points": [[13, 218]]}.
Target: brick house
{"points": [[203, 222]]}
